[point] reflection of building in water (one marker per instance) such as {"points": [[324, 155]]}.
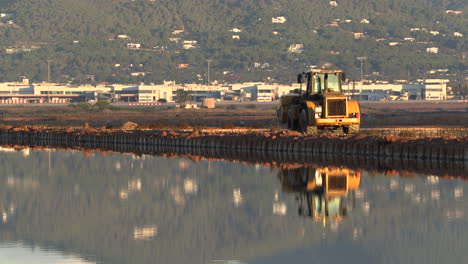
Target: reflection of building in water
{"points": [[190, 186], [279, 208], [321, 191], [7, 213], [237, 196], [145, 232], [134, 185], [24, 151]]}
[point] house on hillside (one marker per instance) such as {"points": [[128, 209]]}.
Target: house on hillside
{"points": [[133, 45], [6, 15], [278, 20], [332, 24], [177, 31], [358, 35], [182, 65], [296, 48], [456, 12], [188, 46]]}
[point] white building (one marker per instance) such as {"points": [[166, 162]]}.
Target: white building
{"points": [[358, 35], [152, 93], [133, 45], [278, 20], [296, 48], [435, 89]]}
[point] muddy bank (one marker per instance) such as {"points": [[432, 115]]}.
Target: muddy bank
{"points": [[254, 115], [436, 155]]}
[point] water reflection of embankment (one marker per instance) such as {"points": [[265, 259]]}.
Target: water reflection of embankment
{"points": [[441, 166]]}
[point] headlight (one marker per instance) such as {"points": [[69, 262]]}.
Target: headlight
{"points": [[318, 111]]}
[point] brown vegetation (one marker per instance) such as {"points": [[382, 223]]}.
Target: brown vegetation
{"points": [[374, 114]]}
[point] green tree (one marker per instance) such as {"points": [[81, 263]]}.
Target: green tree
{"points": [[183, 96]]}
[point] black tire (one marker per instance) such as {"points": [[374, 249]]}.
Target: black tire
{"points": [[303, 121], [281, 118], [351, 129], [292, 124], [312, 130]]}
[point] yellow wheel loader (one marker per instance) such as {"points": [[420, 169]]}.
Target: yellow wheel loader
{"points": [[320, 106]]}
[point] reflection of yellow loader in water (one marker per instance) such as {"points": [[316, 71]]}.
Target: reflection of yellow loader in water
{"points": [[321, 190]]}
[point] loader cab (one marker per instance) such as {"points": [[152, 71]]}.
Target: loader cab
{"points": [[322, 81]]}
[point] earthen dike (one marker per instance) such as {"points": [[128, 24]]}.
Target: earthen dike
{"points": [[441, 156]]}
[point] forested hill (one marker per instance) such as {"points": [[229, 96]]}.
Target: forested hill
{"points": [[81, 38]]}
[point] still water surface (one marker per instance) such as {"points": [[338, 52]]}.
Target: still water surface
{"points": [[71, 207]]}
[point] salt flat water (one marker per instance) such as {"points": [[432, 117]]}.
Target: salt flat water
{"points": [[62, 206]]}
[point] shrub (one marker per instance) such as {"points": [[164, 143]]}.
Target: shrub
{"points": [[228, 125], [182, 124], [407, 133], [102, 104]]}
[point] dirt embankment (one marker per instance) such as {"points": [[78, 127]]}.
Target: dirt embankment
{"points": [[374, 114]]}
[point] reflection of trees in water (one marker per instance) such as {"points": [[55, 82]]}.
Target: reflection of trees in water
{"points": [[173, 211]]}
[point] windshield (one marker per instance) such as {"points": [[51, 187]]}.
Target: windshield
{"points": [[324, 81]]}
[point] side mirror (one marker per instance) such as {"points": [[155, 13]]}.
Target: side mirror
{"points": [[343, 77], [300, 78]]}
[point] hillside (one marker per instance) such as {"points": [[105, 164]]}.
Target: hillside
{"points": [[245, 39]]}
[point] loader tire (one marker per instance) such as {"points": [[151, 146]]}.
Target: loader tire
{"points": [[303, 121], [292, 124], [312, 130], [351, 129]]}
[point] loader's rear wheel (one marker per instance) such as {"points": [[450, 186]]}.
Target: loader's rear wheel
{"points": [[280, 114], [303, 121], [351, 129], [282, 118], [304, 124], [292, 123]]}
